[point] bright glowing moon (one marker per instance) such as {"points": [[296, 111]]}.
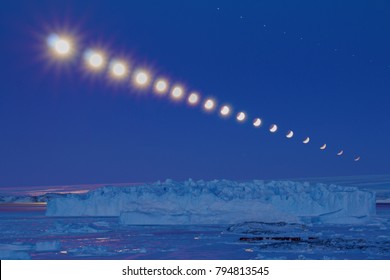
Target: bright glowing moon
{"points": [[307, 140], [323, 147], [142, 78], [209, 104], [241, 117], [273, 128], [118, 69], [340, 153], [161, 86], [225, 110], [177, 92], [61, 46], [193, 99], [256, 122], [290, 134], [94, 59]]}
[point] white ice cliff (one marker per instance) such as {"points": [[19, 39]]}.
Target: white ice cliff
{"points": [[220, 202]]}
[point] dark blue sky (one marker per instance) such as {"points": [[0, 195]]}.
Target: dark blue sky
{"points": [[321, 68]]}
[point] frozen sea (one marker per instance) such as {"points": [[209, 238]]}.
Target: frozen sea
{"points": [[26, 233]]}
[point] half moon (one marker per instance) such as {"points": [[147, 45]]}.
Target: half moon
{"points": [[257, 122], [241, 117], [323, 147], [340, 153], [273, 128], [307, 140], [290, 134], [357, 159]]}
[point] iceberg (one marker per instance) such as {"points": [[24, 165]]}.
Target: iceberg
{"points": [[220, 202]]}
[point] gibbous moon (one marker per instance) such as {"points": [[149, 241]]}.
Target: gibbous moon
{"points": [[307, 140], [290, 134], [177, 92], [273, 128], [225, 110], [209, 104], [193, 99], [94, 59], [256, 122], [323, 147], [357, 159], [340, 153], [118, 69], [161, 86], [241, 116], [61, 46], [142, 78]]}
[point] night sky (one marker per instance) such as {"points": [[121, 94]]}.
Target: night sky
{"points": [[320, 68]]}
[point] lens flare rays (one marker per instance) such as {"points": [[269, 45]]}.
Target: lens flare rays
{"points": [[141, 79], [95, 60], [61, 46], [118, 69]]}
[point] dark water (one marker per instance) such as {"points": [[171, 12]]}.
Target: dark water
{"points": [[383, 209], [27, 208]]}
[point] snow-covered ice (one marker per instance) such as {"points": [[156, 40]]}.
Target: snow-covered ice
{"points": [[220, 202], [283, 220]]}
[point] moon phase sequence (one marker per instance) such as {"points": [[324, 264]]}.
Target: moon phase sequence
{"points": [[62, 47]]}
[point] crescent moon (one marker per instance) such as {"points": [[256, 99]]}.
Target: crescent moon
{"points": [[307, 140], [290, 134], [323, 147], [357, 159], [340, 153], [273, 128]]}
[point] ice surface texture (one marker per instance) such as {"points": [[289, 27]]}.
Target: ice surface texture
{"points": [[220, 202], [47, 246]]}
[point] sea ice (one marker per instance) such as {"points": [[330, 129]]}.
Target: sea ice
{"points": [[46, 246], [13, 255]]}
